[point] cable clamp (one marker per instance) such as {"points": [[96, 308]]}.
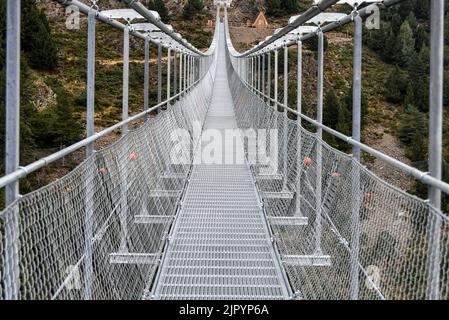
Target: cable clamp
{"points": [[355, 12], [94, 6]]}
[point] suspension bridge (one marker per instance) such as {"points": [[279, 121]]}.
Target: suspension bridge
{"points": [[277, 214]]}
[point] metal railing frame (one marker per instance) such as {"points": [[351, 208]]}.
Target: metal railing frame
{"points": [[14, 172], [433, 178]]}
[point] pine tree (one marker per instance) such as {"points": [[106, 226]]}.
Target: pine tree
{"points": [[188, 11], [446, 29], [375, 39], [422, 9], [274, 8], [2, 87], [405, 8], [446, 89], [199, 5], [331, 109], [159, 6], [422, 38], [411, 19], [289, 6], [58, 125], [407, 44], [2, 34], [412, 132], [344, 120], [36, 37], [192, 8], [409, 99], [348, 102], [67, 126], [418, 93], [390, 53], [28, 112], [396, 86], [396, 22]]}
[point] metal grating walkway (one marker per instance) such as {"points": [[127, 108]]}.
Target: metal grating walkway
{"points": [[220, 246]]}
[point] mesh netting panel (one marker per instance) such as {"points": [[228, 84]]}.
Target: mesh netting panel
{"points": [[394, 227], [126, 181]]}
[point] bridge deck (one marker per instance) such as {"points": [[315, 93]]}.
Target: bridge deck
{"points": [[220, 247]]}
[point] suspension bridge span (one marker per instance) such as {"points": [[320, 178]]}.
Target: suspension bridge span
{"points": [[221, 192]]}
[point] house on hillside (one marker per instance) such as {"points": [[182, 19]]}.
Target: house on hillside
{"points": [[261, 21]]}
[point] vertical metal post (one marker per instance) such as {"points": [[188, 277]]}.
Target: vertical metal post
{"points": [[159, 74], [319, 135], [192, 69], [276, 75], [285, 121], [12, 150], [248, 61], [175, 73], [263, 75], [180, 71], [254, 66], [246, 70], [200, 64], [258, 75], [356, 127], [275, 104], [185, 71], [435, 143], [168, 76], [123, 186], [192, 72], [188, 70], [269, 77], [90, 103], [196, 68], [90, 79], [299, 133], [252, 74], [146, 85], [243, 69]]}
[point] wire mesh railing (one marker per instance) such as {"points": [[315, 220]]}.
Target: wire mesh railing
{"points": [[387, 254], [128, 181], [99, 232]]}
